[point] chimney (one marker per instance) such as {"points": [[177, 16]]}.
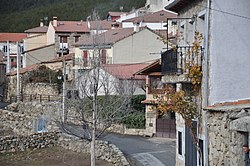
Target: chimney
{"points": [[136, 26], [41, 23], [54, 21]]}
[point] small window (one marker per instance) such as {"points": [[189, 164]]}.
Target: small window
{"points": [[202, 152], [63, 39], [179, 142], [77, 38]]}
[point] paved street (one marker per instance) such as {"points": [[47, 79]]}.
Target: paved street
{"points": [[145, 151], [140, 151]]}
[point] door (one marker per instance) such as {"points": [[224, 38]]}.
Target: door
{"points": [[190, 150]]}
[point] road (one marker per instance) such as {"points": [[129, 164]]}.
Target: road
{"points": [[140, 151], [145, 151]]}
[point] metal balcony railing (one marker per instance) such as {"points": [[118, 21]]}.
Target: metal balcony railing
{"points": [[178, 60]]}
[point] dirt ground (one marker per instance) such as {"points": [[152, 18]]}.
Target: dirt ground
{"points": [[55, 156]]}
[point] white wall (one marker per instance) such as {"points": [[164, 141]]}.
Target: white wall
{"points": [[229, 51], [139, 47], [50, 34]]}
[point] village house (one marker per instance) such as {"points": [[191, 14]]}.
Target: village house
{"points": [[223, 98], [30, 88], [8, 45]]}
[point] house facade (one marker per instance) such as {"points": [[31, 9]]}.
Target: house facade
{"points": [[8, 45], [220, 128], [119, 46]]}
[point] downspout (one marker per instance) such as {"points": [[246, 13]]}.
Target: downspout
{"points": [[206, 81]]}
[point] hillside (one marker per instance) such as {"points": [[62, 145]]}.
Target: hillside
{"points": [[19, 15]]}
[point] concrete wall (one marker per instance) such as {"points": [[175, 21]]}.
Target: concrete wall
{"points": [[50, 34], [229, 51], [35, 42], [40, 55], [137, 48]]}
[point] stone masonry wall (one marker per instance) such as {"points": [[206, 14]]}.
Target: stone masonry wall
{"points": [[22, 116], [225, 145], [104, 150], [34, 141]]}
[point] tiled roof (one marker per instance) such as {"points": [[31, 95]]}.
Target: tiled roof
{"points": [[125, 71], [42, 29], [71, 26], [36, 66], [153, 67], [101, 25], [229, 105], [160, 16], [116, 14], [60, 59], [109, 37], [24, 70], [12, 37]]}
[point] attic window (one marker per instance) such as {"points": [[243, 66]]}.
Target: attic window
{"points": [[79, 24], [161, 14], [61, 23], [115, 33]]}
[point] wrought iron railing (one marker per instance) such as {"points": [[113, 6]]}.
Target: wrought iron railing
{"points": [[35, 97], [178, 60]]}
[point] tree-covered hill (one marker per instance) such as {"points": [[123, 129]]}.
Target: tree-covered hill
{"points": [[19, 15]]}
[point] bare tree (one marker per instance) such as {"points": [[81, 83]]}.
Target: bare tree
{"points": [[103, 99]]}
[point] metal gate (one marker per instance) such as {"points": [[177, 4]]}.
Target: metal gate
{"points": [[166, 128], [190, 150]]}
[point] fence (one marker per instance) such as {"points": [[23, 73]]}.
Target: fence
{"points": [[35, 97]]}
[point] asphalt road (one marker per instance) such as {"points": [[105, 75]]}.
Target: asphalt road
{"points": [[140, 151], [145, 151]]}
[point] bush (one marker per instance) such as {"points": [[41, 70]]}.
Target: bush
{"points": [[135, 120], [136, 102]]}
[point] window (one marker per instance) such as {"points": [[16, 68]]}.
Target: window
{"points": [[104, 56], [63, 39], [77, 38], [5, 49], [85, 57], [202, 152], [180, 143]]}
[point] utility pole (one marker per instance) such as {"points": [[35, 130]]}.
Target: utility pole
{"points": [[18, 72], [8, 57], [64, 81]]}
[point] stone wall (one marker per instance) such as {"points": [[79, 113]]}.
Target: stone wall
{"points": [[40, 88], [225, 145], [34, 141], [21, 117], [104, 150], [30, 88]]}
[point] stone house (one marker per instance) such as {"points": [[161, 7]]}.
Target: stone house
{"points": [[156, 125], [43, 89], [222, 99]]}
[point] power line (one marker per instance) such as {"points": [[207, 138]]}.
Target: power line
{"points": [[225, 12]]}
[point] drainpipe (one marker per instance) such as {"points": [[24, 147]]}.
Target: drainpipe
{"points": [[206, 81]]}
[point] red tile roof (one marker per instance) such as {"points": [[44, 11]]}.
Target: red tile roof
{"points": [[116, 14], [160, 16], [234, 103], [24, 70], [42, 29], [109, 37], [12, 37], [71, 26], [101, 25], [60, 59], [125, 71]]}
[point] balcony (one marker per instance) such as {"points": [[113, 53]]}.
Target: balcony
{"points": [[63, 49], [177, 62]]}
